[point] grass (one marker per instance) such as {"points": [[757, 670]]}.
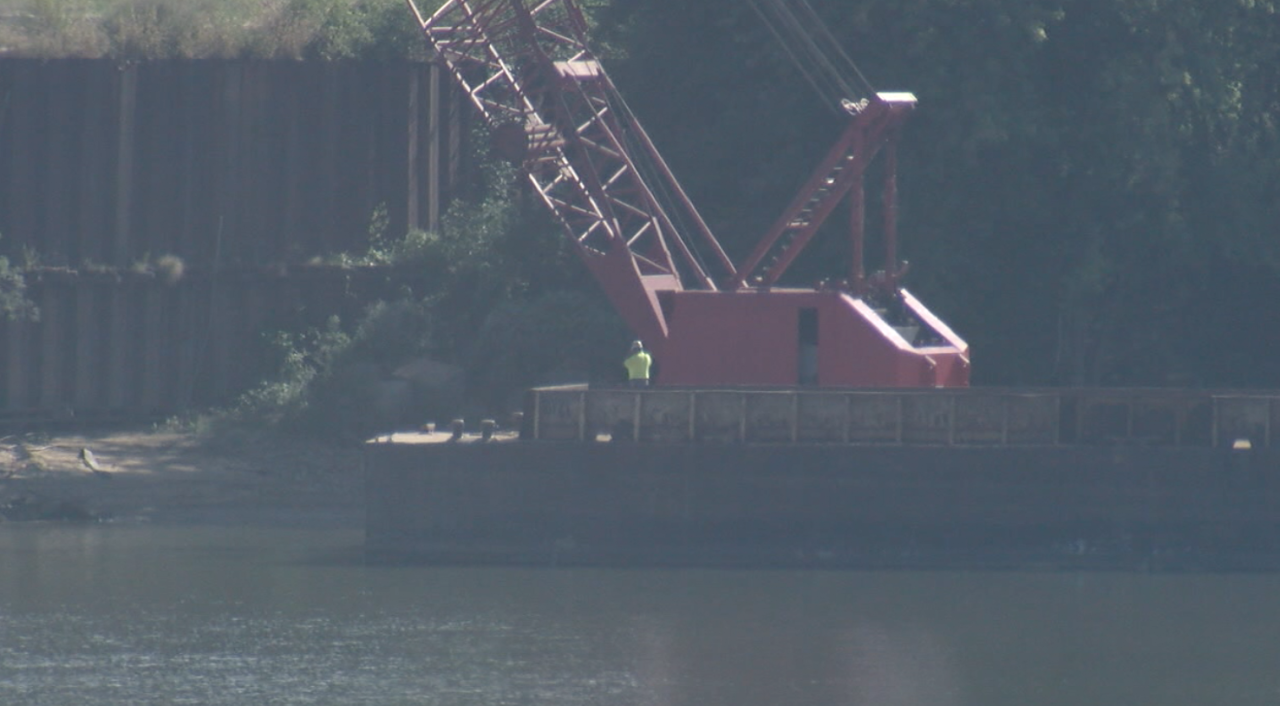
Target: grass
{"points": [[190, 29]]}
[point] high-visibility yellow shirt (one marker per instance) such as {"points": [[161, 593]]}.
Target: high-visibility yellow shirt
{"points": [[638, 365]]}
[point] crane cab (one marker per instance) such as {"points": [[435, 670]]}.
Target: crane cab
{"points": [[790, 337]]}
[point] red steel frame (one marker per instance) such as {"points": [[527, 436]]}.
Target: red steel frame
{"points": [[872, 127]]}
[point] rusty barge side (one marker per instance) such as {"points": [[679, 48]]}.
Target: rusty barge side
{"points": [[1159, 479]]}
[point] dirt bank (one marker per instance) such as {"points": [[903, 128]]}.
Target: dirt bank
{"points": [[179, 478]]}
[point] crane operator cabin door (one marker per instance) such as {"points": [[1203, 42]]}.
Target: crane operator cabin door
{"points": [[807, 340]]}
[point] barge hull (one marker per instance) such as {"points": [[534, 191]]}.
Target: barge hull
{"points": [[823, 505]]}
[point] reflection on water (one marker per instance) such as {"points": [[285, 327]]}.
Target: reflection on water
{"points": [[161, 615]]}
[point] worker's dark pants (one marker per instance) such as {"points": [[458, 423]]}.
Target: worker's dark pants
{"points": [[640, 383]]}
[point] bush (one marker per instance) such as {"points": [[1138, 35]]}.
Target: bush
{"points": [[488, 293], [556, 338], [328, 378], [162, 29], [14, 304]]}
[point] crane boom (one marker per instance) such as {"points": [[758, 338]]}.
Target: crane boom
{"points": [[550, 106]]}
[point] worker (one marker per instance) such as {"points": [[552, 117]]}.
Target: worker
{"points": [[637, 363]]}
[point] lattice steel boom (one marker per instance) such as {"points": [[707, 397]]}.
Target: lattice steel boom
{"points": [[551, 106]]}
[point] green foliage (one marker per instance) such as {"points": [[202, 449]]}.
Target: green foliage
{"points": [[14, 304], [158, 29], [301, 359], [13, 300], [53, 28], [327, 379], [142, 29], [491, 251], [491, 283], [339, 29], [341, 395], [49, 16], [558, 337], [284, 395]]}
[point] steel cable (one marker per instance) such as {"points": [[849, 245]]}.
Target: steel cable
{"points": [[655, 179], [814, 51]]}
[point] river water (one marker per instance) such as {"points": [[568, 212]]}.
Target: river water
{"points": [[178, 615]]}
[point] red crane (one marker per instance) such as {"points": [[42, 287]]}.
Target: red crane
{"points": [[550, 106]]}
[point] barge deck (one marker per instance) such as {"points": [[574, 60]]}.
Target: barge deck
{"points": [[1150, 479]]}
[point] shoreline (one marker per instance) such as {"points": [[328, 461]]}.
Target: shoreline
{"points": [[179, 478]]}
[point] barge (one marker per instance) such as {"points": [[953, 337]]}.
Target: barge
{"points": [[849, 468], [822, 478]]}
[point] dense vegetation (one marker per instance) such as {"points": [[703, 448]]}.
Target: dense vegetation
{"points": [[498, 292], [162, 29], [14, 303], [1090, 190]]}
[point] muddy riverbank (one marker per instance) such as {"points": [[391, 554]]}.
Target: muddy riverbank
{"points": [[174, 477]]}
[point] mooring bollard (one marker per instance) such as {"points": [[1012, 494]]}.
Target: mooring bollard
{"points": [[456, 426], [487, 427]]}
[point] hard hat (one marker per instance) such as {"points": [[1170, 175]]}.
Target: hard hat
{"points": [[636, 345]]}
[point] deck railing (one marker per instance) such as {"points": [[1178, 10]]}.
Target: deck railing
{"points": [[950, 417]]}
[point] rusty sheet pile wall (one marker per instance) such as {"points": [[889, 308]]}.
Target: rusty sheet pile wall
{"points": [[246, 171]]}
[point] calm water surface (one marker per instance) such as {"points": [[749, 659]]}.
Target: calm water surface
{"points": [[163, 615]]}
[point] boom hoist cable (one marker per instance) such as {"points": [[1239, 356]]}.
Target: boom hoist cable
{"points": [[644, 155], [808, 43]]}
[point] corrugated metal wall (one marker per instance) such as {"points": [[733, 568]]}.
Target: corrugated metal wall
{"points": [[247, 171]]}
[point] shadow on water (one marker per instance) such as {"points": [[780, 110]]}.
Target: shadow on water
{"points": [[127, 614], [1191, 549]]}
